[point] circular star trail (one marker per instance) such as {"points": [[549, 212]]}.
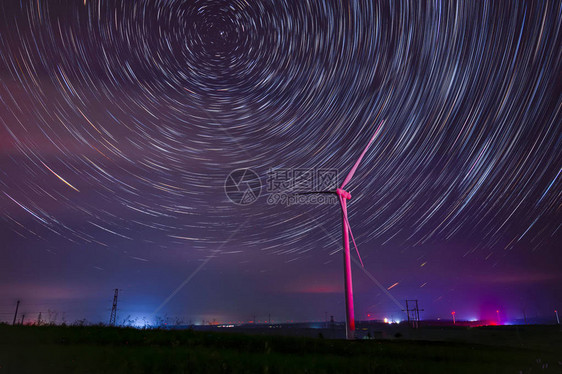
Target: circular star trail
{"points": [[121, 120]]}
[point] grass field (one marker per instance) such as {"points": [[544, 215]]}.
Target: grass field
{"points": [[92, 349]]}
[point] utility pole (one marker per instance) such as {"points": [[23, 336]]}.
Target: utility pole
{"points": [[16, 313], [39, 319], [417, 315], [414, 317], [557, 319], [113, 315], [22, 318], [407, 311]]}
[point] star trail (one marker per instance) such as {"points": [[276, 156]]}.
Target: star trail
{"points": [[121, 120]]}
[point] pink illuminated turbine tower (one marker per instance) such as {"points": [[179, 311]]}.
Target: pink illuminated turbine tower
{"points": [[343, 196]]}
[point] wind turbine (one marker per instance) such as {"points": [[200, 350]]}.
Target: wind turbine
{"points": [[343, 196]]}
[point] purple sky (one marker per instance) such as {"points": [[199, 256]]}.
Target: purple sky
{"points": [[120, 122]]}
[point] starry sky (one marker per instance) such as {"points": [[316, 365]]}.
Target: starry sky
{"points": [[121, 120]]}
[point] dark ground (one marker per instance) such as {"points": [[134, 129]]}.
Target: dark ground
{"points": [[93, 349]]}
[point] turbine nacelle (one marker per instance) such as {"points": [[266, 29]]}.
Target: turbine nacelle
{"points": [[343, 193]]}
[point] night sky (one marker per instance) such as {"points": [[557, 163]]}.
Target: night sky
{"points": [[121, 120]]}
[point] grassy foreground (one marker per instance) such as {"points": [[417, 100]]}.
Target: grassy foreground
{"points": [[57, 349]]}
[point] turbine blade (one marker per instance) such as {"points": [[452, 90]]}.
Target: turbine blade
{"points": [[354, 168], [353, 239], [346, 222], [314, 192]]}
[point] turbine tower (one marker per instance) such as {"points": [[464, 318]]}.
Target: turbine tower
{"points": [[343, 196]]}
